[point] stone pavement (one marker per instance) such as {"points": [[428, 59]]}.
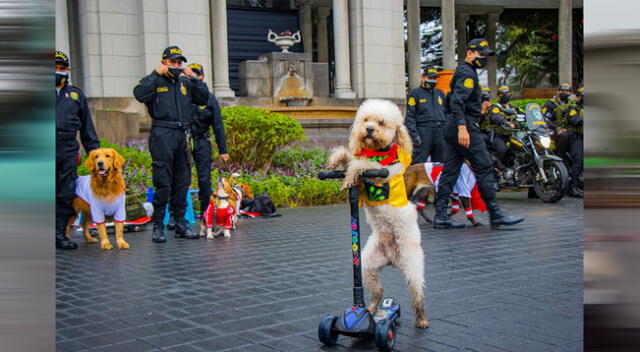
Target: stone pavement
{"points": [[267, 288]]}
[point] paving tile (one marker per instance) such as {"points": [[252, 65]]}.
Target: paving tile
{"points": [[267, 287]]}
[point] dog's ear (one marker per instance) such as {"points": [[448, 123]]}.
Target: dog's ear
{"points": [[118, 160], [89, 164], [403, 139], [355, 144]]}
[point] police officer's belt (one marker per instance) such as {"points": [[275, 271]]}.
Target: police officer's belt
{"points": [[65, 135], [171, 124]]}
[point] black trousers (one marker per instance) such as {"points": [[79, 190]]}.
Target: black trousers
{"points": [[576, 150], [499, 147], [66, 175], [171, 172], [455, 155], [432, 144], [202, 159]]}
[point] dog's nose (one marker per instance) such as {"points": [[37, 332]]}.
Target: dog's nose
{"points": [[370, 129], [100, 164]]}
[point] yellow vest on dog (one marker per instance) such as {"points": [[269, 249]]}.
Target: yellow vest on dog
{"points": [[393, 192]]}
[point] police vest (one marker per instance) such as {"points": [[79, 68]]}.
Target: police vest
{"points": [[509, 114]]}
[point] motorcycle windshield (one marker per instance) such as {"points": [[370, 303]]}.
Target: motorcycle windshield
{"points": [[534, 118]]}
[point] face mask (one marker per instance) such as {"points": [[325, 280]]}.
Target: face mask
{"points": [[174, 72], [62, 78], [429, 84], [486, 98], [505, 98], [480, 62], [564, 96]]}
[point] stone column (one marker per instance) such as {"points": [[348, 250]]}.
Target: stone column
{"points": [[306, 28], [565, 24], [448, 34], [461, 29], [323, 38], [341, 49], [492, 64], [220, 48], [62, 28], [413, 42]]}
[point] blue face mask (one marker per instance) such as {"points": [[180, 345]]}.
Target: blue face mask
{"points": [[480, 62], [174, 72], [62, 78]]}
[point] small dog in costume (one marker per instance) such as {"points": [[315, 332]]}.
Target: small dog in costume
{"points": [[378, 140]]}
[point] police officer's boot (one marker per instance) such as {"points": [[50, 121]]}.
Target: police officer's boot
{"points": [[442, 220], [498, 217], [172, 222], [61, 240], [158, 232], [576, 192], [182, 229]]}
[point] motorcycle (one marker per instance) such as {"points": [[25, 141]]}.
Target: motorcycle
{"points": [[530, 163]]}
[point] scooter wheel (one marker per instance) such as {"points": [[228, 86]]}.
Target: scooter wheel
{"points": [[327, 333], [385, 335]]}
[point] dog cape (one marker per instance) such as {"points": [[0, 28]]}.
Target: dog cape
{"points": [[100, 208], [466, 185], [393, 192], [223, 216]]}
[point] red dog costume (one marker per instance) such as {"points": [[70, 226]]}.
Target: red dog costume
{"points": [[223, 216]]}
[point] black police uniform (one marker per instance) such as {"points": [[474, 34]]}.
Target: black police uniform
{"points": [[424, 120], [170, 103], [572, 121], [72, 116], [464, 108], [206, 116]]}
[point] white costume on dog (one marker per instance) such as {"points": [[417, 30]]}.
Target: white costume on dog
{"points": [[100, 208], [465, 183]]}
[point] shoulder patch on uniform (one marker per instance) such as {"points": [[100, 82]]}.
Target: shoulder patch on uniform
{"points": [[422, 100], [440, 100], [495, 110], [202, 107], [412, 101], [468, 82], [544, 110], [162, 89], [73, 95], [572, 113]]}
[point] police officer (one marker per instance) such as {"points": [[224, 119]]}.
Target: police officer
{"points": [[425, 118], [72, 115], [570, 126], [170, 98], [500, 115], [206, 116], [560, 100], [486, 99], [464, 140]]}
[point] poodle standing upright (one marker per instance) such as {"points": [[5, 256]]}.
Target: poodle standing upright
{"points": [[379, 139]]}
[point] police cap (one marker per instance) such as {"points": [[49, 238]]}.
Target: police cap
{"points": [[197, 68], [430, 72], [564, 86], [62, 58], [173, 53], [503, 89], [481, 45]]}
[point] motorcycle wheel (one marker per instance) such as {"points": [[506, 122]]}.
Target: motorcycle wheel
{"points": [[558, 183]]}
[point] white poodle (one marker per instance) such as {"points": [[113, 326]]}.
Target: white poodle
{"points": [[379, 139]]}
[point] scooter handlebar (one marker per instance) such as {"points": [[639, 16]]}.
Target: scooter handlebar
{"points": [[376, 173], [326, 174], [332, 174]]}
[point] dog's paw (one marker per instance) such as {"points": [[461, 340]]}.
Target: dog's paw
{"points": [[106, 245], [227, 234], [90, 240], [123, 245], [348, 182], [372, 309], [422, 323], [476, 223]]}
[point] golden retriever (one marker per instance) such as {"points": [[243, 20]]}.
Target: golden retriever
{"points": [[100, 195]]}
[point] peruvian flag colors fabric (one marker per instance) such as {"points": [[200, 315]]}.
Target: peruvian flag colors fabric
{"points": [[223, 216], [466, 185]]}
